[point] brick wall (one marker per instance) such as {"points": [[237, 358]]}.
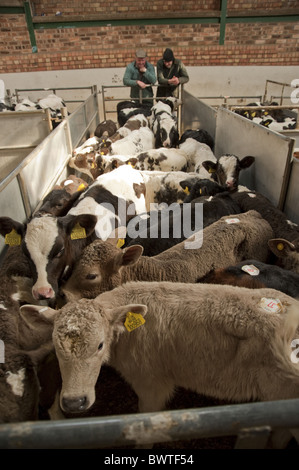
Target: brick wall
{"points": [[61, 48]]}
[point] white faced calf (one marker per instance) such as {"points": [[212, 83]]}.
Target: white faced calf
{"points": [[227, 169]]}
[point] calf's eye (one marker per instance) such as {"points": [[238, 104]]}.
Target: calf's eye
{"points": [[91, 276], [100, 346]]}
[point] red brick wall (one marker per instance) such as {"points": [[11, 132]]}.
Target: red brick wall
{"points": [[114, 46]]}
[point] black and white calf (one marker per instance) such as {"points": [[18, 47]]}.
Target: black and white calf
{"points": [[227, 169], [164, 124], [201, 135], [128, 109], [52, 244]]}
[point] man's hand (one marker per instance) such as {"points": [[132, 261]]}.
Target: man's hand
{"points": [[174, 81], [141, 84]]}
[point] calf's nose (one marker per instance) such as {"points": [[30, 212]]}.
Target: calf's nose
{"points": [[43, 293], [74, 405]]}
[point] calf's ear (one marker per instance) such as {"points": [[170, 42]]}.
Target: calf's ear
{"points": [[131, 313], [280, 247], [126, 257], [7, 225], [246, 162], [131, 254], [210, 166], [35, 315]]}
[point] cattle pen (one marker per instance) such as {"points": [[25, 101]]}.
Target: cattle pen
{"points": [[275, 174]]}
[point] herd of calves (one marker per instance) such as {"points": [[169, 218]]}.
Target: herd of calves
{"points": [[155, 263]]}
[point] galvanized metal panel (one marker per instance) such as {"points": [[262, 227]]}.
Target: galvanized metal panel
{"points": [[197, 114], [44, 165], [86, 117], [272, 151], [11, 158], [23, 129]]}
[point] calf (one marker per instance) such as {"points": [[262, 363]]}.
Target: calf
{"points": [[201, 135], [227, 169], [201, 187], [285, 245], [198, 153], [135, 142], [52, 244], [188, 157], [105, 129], [255, 274], [165, 187], [132, 124], [128, 109], [162, 159], [62, 197], [173, 224], [103, 266], [57, 203], [72, 184], [163, 123], [226, 342], [20, 356]]}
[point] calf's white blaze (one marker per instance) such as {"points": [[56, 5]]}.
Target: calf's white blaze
{"points": [[229, 165], [40, 238], [16, 381]]}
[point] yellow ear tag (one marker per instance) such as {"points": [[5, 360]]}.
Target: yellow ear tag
{"points": [[120, 243], [81, 187], [93, 165], [78, 232], [102, 153], [13, 238], [280, 246], [253, 114], [131, 164], [186, 190], [133, 321], [211, 170]]}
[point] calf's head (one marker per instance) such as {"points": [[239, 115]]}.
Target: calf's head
{"points": [[83, 334], [50, 246], [227, 169], [99, 269], [287, 252]]}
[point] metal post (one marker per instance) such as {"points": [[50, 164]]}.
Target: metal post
{"points": [[222, 21], [30, 26]]}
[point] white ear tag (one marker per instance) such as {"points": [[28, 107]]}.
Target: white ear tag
{"points": [[232, 221], [271, 305], [250, 269]]}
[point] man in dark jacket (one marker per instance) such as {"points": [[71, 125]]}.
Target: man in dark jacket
{"points": [[170, 73]]}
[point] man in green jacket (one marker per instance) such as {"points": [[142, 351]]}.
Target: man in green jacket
{"points": [[140, 75], [171, 72]]}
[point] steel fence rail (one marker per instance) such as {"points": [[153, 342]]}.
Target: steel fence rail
{"points": [[254, 420]]}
